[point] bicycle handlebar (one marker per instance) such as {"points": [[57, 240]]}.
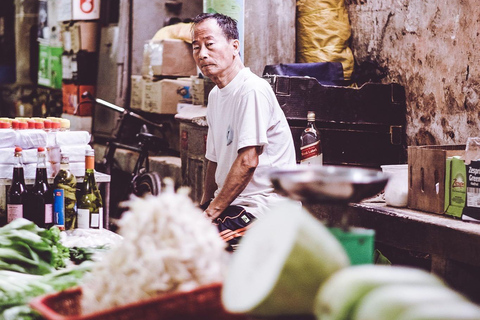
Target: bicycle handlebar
{"points": [[88, 95]]}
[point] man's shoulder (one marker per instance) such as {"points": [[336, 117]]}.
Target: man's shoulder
{"points": [[252, 81]]}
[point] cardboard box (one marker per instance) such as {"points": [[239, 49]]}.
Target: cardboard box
{"points": [[137, 92], [80, 35], [426, 176], [50, 66], [163, 96], [72, 96], [171, 58]]}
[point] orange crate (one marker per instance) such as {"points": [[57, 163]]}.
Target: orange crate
{"points": [[203, 303]]}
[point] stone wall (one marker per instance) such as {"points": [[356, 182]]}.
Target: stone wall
{"points": [[432, 48]]}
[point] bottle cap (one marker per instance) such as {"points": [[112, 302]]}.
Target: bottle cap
{"points": [[18, 149], [311, 116], [31, 124], [65, 124], [55, 125], [41, 149], [47, 124]]}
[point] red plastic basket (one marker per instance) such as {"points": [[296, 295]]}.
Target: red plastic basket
{"points": [[202, 303]]}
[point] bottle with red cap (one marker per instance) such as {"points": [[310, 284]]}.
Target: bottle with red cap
{"points": [[40, 198], [17, 193]]}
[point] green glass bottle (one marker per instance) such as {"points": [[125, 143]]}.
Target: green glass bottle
{"points": [[65, 201], [90, 204]]}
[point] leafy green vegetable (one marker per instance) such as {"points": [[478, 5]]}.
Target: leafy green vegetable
{"points": [[17, 289], [80, 254], [24, 247]]}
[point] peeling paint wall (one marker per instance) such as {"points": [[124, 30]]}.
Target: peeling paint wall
{"points": [[431, 47]]}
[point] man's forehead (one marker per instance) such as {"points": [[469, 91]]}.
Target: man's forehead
{"points": [[207, 28]]}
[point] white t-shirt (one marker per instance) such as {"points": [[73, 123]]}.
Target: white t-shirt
{"points": [[246, 113]]}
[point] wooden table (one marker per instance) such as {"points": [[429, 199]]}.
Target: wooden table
{"points": [[448, 247]]}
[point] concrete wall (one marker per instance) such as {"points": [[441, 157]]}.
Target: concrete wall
{"points": [[432, 48], [269, 33]]}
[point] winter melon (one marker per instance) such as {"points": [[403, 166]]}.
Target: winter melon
{"points": [[339, 295], [391, 301], [280, 264], [458, 310]]}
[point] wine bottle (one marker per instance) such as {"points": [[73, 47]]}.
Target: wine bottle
{"points": [[64, 196], [90, 204], [17, 193], [40, 198], [310, 144]]}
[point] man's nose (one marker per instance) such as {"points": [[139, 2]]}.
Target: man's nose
{"points": [[202, 52]]}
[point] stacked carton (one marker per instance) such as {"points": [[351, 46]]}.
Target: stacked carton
{"points": [[165, 81], [68, 50]]}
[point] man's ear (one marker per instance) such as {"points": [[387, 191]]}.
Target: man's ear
{"points": [[236, 46]]}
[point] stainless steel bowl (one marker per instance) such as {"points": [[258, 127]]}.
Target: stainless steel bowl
{"points": [[324, 184]]}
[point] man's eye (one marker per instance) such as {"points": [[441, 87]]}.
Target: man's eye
{"points": [[196, 48], [209, 44]]}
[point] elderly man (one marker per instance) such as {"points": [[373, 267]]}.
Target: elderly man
{"points": [[248, 133]]}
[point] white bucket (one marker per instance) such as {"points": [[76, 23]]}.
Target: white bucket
{"points": [[396, 191]]}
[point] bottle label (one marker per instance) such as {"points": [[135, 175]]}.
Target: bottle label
{"points": [[100, 217], [83, 217], [311, 153], [59, 208], [95, 220], [14, 211], [48, 213]]}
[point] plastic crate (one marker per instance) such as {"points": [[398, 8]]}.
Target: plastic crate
{"points": [[202, 303]]}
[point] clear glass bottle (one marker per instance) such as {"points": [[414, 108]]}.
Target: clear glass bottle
{"points": [[40, 198], [90, 204], [310, 143], [64, 196], [17, 193]]}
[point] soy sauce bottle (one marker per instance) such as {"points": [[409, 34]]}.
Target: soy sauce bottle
{"points": [[40, 203], [17, 193]]}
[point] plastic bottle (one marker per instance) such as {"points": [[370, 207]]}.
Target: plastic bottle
{"points": [[17, 193], [64, 198], [90, 203], [310, 144], [40, 198]]}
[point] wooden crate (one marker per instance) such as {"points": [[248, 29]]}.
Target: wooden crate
{"points": [[426, 175]]}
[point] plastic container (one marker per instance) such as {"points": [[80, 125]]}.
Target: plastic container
{"points": [[396, 190]]}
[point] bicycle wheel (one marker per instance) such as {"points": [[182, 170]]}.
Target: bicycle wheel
{"points": [[146, 183]]}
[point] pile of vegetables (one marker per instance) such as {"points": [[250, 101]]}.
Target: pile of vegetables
{"points": [[289, 264], [26, 248], [33, 262], [17, 289], [168, 246]]}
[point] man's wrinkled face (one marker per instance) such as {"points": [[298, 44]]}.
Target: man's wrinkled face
{"points": [[212, 52]]}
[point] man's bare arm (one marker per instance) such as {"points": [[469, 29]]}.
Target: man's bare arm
{"points": [[209, 185], [237, 179]]}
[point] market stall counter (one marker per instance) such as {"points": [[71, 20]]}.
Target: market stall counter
{"points": [[448, 247]]}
